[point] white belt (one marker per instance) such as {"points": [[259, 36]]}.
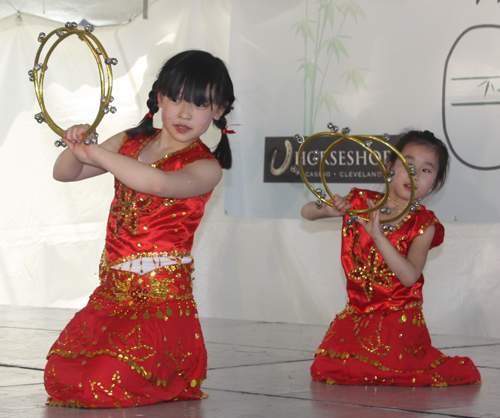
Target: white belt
{"points": [[146, 264]]}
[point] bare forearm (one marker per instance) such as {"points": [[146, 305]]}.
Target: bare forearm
{"points": [[193, 180], [407, 268], [311, 212], [67, 167], [403, 269], [73, 163], [339, 207], [134, 174]]}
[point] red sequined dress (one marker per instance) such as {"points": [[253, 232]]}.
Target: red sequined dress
{"points": [[380, 338], [138, 341]]}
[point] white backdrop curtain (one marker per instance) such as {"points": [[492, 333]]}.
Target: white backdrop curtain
{"points": [[51, 234], [286, 270]]}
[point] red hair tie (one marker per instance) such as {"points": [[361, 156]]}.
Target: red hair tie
{"points": [[228, 131], [147, 115]]}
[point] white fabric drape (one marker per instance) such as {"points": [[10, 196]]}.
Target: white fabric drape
{"points": [[98, 13], [51, 234]]}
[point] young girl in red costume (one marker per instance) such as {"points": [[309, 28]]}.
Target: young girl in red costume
{"points": [[138, 341], [380, 338]]}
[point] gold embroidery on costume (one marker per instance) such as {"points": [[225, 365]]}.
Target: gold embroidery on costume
{"points": [[370, 272], [175, 363], [415, 352], [403, 244], [438, 381], [128, 208], [56, 387], [99, 389], [77, 340], [418, 319], [424, 226], [143, 290], [169, 202], [374, 345], [131, 345], [328, 335]]}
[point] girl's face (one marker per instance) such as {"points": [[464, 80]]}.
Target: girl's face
{"points": [[426, 164], [185, 121]]}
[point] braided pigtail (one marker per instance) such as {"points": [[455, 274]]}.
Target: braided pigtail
{"points": [[146, 124], [223, 150]]}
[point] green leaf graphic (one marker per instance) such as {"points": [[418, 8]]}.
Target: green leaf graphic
{"points": [[324, 37]]}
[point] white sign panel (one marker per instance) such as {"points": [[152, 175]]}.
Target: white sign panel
{"points": [[376, 67]]}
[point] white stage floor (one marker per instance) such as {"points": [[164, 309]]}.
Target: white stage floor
{"points": [[255, 369]]}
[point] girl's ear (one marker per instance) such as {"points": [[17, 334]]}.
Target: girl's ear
{"points": [[220, 111], [159, 99]]}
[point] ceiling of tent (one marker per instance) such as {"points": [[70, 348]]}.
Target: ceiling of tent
{"points": [[95, 12]]}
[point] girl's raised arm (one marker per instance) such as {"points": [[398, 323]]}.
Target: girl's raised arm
{"points": [[82, 161], [407, 269], [194, 179], [339, 208]]}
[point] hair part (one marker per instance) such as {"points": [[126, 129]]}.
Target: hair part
{"points": [[197, 77], [428, 139]]}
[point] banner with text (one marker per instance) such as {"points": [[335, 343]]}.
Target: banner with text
{"points": [[298, 65]]}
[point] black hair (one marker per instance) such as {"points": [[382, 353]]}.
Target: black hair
{"points": [[428, 139], [193, 73]]}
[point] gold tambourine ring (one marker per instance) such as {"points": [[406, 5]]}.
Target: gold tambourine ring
{"points": [[365, 141], [37, 75]]}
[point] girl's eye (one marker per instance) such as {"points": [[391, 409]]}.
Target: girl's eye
{"points": [[426, 170]]}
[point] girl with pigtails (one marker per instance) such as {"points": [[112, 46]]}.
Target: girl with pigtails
{"points": [[138, 341]]}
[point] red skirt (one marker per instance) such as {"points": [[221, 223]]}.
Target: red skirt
{"points": [[390, 347], [137, 342]]}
